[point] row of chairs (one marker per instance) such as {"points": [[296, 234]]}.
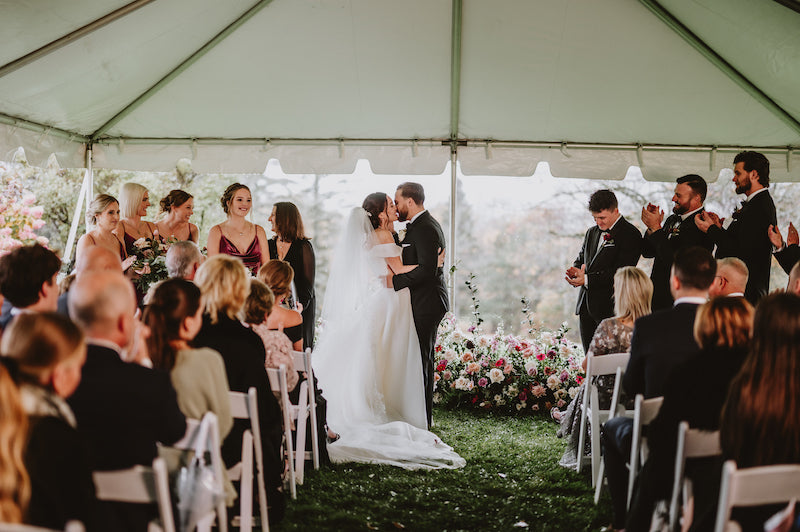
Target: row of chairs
{"points": [[142, 484], [739, 487]]}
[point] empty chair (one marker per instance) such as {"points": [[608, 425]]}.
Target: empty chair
{"points": [[302, 362], [277, 379], [597, 365], [614, 410], [139, 484], [754, 486]]}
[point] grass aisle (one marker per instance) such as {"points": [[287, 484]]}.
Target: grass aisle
{"points": [[512, 476]]}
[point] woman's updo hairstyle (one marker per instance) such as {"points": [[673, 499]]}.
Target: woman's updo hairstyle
{"points": [[278, 276], [227, 196], [97, 206], [173, 301], [374, 204], [175, 198]]}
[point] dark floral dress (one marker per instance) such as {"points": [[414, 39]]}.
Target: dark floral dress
{"points": [[611, 336]]}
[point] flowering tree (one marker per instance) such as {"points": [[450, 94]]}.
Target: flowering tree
{"points": [[20, 217]]}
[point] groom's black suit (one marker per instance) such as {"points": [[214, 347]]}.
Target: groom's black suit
{"points": [[429, 302]]}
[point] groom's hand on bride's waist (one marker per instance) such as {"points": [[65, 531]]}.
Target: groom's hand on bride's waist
{"points": [[388, 278]]}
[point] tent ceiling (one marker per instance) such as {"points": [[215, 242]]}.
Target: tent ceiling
{"points": [[319, 84]]}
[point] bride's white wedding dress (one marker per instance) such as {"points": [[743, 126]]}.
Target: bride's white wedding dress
{"points": [[368, 361]]}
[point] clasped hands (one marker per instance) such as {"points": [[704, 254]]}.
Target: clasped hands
{"points": [[576, 276], [777, 240], [439, 263]]}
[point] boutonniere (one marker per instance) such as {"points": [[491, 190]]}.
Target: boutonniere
{"points": [[608, 240], [675, 230], [401, 234]]}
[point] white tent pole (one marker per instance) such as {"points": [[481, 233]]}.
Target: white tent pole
{"points": [[90, 174], [451, 253], [73, 229]]}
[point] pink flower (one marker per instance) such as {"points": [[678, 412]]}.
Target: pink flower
{"points": [[37, 212], [473, 368], [446, 375], [442, 365], [538, 391], [500, 363], [482, 382], [535, 407], [29, 199], [539, 356], [508, 369], [561, 403], [38, 224]]}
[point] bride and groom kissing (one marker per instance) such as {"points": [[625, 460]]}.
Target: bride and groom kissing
{"points": [[374, 359]]}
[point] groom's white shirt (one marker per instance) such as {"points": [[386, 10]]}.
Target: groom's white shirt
{"points": [[411, 221]]}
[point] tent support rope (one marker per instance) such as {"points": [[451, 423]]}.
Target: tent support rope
{"points": [[175, 72], [709, 53]]}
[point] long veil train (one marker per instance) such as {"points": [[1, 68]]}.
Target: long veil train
{"points": [[368, 360]]}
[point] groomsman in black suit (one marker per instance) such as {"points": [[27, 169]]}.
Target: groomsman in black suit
{"points": [[660, 343], [747, 237], [609, 245], [429, 302], [678, 232], [787, 253]]}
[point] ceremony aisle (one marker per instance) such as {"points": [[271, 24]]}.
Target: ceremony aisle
{"points": [[512, 481]]}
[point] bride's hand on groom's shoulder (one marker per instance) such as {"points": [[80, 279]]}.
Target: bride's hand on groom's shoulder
{"points": [[440, 263]]}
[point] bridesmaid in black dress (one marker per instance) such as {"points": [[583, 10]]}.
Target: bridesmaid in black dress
{"points": [[291, 245]]}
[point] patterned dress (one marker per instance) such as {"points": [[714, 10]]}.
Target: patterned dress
{"points": [[611, 336]]}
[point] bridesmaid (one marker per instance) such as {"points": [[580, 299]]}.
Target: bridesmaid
{"points": [[102, 219], [179, 206], [236, 233], [134, 201], [291, 245]]}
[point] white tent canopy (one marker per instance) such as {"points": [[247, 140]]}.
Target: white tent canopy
{"points": [[590, 87]]}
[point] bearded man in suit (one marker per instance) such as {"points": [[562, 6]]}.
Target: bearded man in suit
{"points": [[748, 236], [678, 232], [609, 245]]}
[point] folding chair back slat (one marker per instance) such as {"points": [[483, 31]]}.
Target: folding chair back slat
{"points": [[692, 443], [303, 359], [645, 411], [245, 406], [277, 381]]}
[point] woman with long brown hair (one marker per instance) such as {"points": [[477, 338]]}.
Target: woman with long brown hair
{"points": [[236, 236], [178, 207], [15, 485], [290, 244]]}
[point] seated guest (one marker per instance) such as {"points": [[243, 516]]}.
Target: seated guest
{"points": [[259, 306], [174, 316], [122, 409], [278, 275], [94, 259], [633, 291], [660, 342], [224, 282], [49, 350], [731, 278], [722, 330], [28, 280], [15, 486], [760, 424], [183, 258]]}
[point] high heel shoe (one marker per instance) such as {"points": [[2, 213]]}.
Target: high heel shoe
{"points": [[330, 440]]}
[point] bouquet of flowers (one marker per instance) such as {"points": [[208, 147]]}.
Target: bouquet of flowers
{"points": [[19, 216], [150, 264], [505, 373]]}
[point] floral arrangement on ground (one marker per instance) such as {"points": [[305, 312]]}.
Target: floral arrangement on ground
{"points": [[505, 373]]}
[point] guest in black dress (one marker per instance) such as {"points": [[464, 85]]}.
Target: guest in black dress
{"points": [[277, 275], [290, 244], [47, 351], [225, 285]]}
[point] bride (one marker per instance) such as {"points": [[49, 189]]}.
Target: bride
{"points": [[367, 359]]}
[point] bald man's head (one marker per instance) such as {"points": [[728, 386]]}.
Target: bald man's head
{"points": [[103, 304], [97, 258], [732, 274]]}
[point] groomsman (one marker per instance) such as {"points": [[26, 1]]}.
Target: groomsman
{"points": [[609, 245], [678, 232], [747, 236]]}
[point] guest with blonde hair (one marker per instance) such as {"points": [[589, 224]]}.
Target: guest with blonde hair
{"points": [[134, 201], [102, 219], [15, 485], [278, 276], [633, 292], [179, 207], [224, 282], [49, 352]]}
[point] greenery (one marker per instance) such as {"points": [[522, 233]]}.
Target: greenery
{"points": [[512, 481]]}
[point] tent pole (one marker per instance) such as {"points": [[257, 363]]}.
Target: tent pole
{"points": [[84, 194], [718, 61], [451, 253]]}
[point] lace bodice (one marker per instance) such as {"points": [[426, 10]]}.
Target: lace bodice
{"points": [[611, 336]]}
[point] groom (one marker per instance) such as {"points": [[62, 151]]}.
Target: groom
{"points": [[421, 245]]}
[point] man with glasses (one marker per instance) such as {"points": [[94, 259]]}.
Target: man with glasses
{"points": [[731, 278]]}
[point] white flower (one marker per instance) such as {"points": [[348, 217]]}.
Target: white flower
{"points": [[553, 382], [496, 375], [458, 335], [561, 393], [512, 391], [462, 383], [531, 368], [437, 398], [140, 243], [520, 406], [450, 355], [484, 341], [573, 392], [401, 235]]}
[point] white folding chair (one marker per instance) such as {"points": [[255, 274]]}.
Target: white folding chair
{"points": [[245, 406], [645, 411], [302, 362], [692, 443], [212, 446], [277, 380], [70, 526], [138, 484], [596, 366], [754, 486], [615, 409]]}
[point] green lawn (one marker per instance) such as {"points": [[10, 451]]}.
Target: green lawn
{"points": [[512, 481]]}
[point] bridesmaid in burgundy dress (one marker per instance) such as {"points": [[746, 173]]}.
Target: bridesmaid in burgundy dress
{"points": [[134, 201], [236, 236]]}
